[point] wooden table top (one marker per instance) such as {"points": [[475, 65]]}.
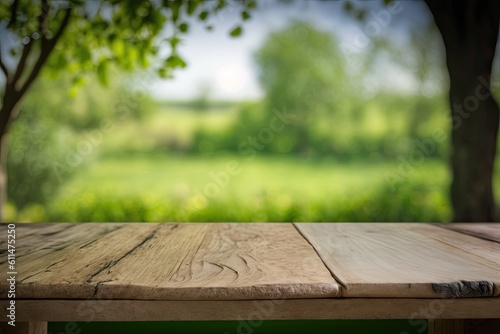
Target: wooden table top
{"points": [[254, 261]]}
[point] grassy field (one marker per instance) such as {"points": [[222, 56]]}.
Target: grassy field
{"points": [[163, 187], [156, 169]]}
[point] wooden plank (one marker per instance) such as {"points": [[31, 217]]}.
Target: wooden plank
{"points": [[61, 265], [25, 230], [219, 262], [276, 309], [488, 231], [35, 327], [171, 262], [487, 250], [35, 241], [403, 260], [446, 326]]}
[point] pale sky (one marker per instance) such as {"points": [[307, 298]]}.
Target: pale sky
{"points": [[226, 63]]}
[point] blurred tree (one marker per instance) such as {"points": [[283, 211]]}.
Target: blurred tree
{"points": [[35, 144], [55, 134], [469, 29], [202, 100], [78, 36], [425, 62], [302, 71], [422, 57]]}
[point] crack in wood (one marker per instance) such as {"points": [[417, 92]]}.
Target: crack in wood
{"points": [[96, 288], [99, 237], [176, 271], [50, 234], [343, 286], [477, 234], [130, 251], [464, 289]]}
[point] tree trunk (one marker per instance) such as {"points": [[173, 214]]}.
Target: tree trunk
{"points": [[3, 175], [6, 111], [14, 91], [469, 29]]}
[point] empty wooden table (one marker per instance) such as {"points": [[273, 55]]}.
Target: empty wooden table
{"points": [[162, 271]]}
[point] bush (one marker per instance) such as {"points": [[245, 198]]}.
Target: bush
{"points": [[420, 202], [50, 140], [36, 140]]}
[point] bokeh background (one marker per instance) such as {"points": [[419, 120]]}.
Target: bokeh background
{"points": [[302, 117]]}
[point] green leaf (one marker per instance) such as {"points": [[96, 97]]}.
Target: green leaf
{"points": [[76, 85], [220, 4], [251, 5], [164, 73], [78, 80], [175, 10], [191, 7], [348, 6], [175, 61], [102, 73], [236, 32], [143, 58], [83, 53], [183, 27], [174, 41], [76, 3], [203, 15], [245, 16], [118, 47], [360, 15]]}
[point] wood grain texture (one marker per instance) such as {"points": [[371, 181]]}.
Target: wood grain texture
{"points": [[488, 231], [169, 262], [446, 326], [405, 260], [34, 327], [486, 249], [277, 309]]}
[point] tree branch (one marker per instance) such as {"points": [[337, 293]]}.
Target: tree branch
{"points": [[42, 19], [4, 68], [12, 96], [13, 11], [62, 27], [45, 51], [42, 25], [22, 62]]}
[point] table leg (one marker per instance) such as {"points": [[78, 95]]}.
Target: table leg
{"points": [[482, 326], [34, 327], [446, 326]]}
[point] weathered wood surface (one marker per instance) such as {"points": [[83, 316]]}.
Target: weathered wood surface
{"points": [[488, 231], [168, 262], [277, 309], [446, 326], [406, 260]]}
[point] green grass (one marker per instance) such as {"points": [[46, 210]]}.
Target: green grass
{"points": [[269, 188], [167, 128], [152, 170], [166, 175]]}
